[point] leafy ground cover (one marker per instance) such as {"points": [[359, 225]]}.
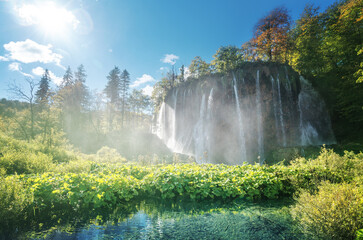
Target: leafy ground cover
{"points": [[82, 187]]}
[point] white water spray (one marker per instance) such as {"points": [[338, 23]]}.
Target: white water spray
{"points": [[240, 122], [259, 120]]}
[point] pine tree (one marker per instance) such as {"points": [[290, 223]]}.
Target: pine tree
{"points": [[42, 94], [125, 82], [80, 89], [80, 75], [113, 86], [112, 91], [67, 78], [181, 77]]}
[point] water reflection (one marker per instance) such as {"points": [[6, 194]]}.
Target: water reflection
{"points": [[187, 221]]}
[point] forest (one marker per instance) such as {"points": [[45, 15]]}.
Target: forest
{"points": [[71, 157]]}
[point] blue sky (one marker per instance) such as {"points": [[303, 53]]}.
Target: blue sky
{"points": [[145, 37]]}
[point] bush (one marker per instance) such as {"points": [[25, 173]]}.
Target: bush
{"points": [[335, 212], [25, 162], [75, 166], [348, 167], [14, 198], [17, 156], [109, 155]]}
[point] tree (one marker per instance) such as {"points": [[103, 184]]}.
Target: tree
{"points": [[198, 67], [307, 35], [80, 89], [271, 35], [113, 86], [139, 104], [80, 75], [28, 96], [125, 83], [42, 94], [67, 78], [328, 50], [227, 59], [248, 51], [112, 91], [181, 77]]}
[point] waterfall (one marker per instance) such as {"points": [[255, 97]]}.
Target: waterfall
{"points": [[224, 119], [277, 123], [240, 122], [209, 120], [259, 120], [281, 114], [199, 134], [309, 99], [174, 120]]}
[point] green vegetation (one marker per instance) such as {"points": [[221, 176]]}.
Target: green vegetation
{"points": [[41, 193], [335, 212]]}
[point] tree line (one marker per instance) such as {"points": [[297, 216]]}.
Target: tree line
{"points": [[71, 110]]}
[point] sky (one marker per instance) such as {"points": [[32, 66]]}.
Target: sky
{"points": [[146, 37]]}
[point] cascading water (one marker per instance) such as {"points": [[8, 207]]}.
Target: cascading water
{"points": [[240, 122], [261, 152], [282, 125], [209, 120], [199, 137], [277, 125], [309, 129], [265, 108]]}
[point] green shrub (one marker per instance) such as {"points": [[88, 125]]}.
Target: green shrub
{"points": [[75, 166], [18, 156], [14, 198], [348, 167], [335, 212], [25, 162], [360, 234], [109, 155]]}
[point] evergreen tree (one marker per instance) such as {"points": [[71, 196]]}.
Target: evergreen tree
{"points": [[80, 89], [125, 83], [42, 94], [112, 91], [181, 77], [113, 86], [67, 78], [80, 75]]}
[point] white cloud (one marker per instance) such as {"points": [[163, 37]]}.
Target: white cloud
{"points": [[110, 50], [170, 58], [39, 71], [14, 66], [29, 51], [148, 90], [5, 59], [141, 80], [46, 15]]}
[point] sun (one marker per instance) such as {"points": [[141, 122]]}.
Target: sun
{"points": [[49, 17]]}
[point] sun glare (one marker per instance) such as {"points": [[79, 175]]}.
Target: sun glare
{"points": [[50, 18]]}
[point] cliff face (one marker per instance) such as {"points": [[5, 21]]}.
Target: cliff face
{"points": [[241, 116]]}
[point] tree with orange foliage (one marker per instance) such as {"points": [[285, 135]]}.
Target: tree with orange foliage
{"points": [[271, 35]]}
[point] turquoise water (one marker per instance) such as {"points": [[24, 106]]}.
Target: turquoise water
{"points": [[184, 221]]}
